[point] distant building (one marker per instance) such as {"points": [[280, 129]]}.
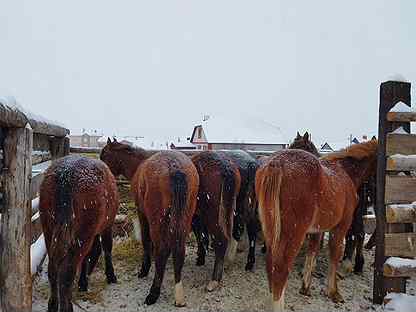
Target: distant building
{"points": [[183, 144], [86, 139], [219, 133], [330, 147]]}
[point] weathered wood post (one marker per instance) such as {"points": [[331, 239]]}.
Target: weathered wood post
{"points": [[391, 92], [15, 236]]}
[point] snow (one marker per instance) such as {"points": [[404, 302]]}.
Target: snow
{"points": [[400, 303], [403, 157], [37, 253], [400, 130], [397, 77], [401, 262], [40, 167], [40, 153], [401, 107], [13, 104], [247, 130], [35, 204]]}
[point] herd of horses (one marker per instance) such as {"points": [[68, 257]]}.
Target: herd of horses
{"points": [[219, 195]]}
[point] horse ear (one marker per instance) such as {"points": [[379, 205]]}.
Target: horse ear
{"points": [[108, 140], [114, 140], [298, 135], [306, 136]]}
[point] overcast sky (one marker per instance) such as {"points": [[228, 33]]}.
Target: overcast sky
{"points": [[154, 68]]}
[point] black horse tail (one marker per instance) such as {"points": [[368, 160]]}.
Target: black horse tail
{"points": [[227, 201], [179, 187], [252, 201], [63, 236]]}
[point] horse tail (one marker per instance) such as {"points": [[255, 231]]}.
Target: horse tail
{"points": [[268, 184], [251, 174], [179, 187], [227, 201], [63, 236]]}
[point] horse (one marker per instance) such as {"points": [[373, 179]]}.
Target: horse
{"points": [[299, 193], [164, 187], [246, 201], [302, 143], [356, 234], [78, 204], [219, 185]]}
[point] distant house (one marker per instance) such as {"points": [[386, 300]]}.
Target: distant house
{"points": [[86, 139], [330, 147], [220, 133], [183, 144]]}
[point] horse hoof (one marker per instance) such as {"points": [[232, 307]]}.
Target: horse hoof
{"points": [[151, 299], [336, 297], [212, 285], [250, 266], [305, 291], [111, 279], [180, 305], [346, 266], [200, 262], [142, 274]]}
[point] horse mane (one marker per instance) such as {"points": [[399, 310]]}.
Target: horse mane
{"points": [[356, 151]]}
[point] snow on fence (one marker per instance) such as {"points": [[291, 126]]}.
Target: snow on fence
{"points": [[26, 139]]}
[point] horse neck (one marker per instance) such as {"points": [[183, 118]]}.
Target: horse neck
{"points": [[130, 163], [358, 170]]}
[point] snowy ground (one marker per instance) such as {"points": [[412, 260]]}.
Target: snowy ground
{"points": [[240, 291]]}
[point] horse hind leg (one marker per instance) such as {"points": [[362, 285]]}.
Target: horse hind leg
{"points": [[197, 228], [66, 276], [107, 244], [161, 257], [335, 251], [220, 248], [53, 303], [310, 261], [252, 236], [350, 246], [359, 258], [178, 260], [88, 264], [147, 246]]}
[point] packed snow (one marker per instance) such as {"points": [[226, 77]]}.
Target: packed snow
{"points": [[400, 303], [37, 253], [401, 262], [401, 107]]}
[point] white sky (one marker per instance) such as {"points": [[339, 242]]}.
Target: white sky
{"points": [[154, 68]]}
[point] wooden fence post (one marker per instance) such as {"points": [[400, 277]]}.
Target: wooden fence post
{"points": [[391, 92], [15, 237]]}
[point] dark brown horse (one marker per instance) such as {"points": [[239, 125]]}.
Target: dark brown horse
{"points": [[219, 184], [245, 214], [165, 188], [299, 194], [78, 204]]}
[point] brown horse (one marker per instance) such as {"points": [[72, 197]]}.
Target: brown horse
{"points": [[219, 184], [78, 204], [302, 143], [299, 194], [165, 188]]}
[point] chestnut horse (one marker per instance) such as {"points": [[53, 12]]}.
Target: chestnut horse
{"points": [[219, 184], [165, 188], [78, 204], [303, 143], [299, 193], [246, 201]]}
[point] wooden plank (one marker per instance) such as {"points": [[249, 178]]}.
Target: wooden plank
{"points": [[46, 128], [15, 276], [41, 142], [38, 158], [401, 163], [401, 116], [400, 267], [400, 189], [400, 245], [11, 118], [36, 181], [405, 213], [403, 144]]}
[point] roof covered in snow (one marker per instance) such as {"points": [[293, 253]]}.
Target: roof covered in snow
{"points": [[237, 129]]}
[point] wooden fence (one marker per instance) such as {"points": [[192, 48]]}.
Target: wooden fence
{"points": [[24, 141], [396, 190]]}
